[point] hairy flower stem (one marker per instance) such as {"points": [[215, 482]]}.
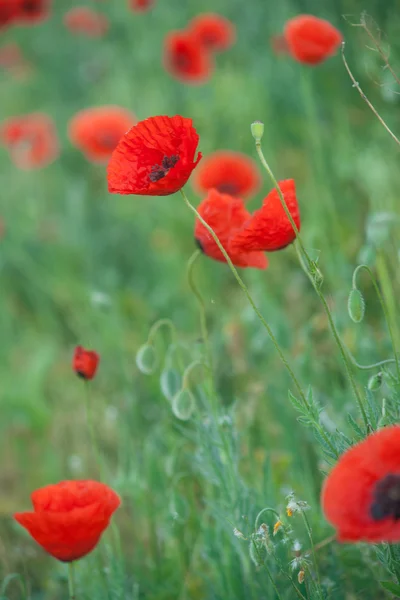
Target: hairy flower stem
{"points": [[174, 337], [308, 528], [384, 309], [259, 315], [309, 270], [71, 581]]}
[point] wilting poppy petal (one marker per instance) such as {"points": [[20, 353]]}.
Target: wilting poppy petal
{"points": [[361, 496], [225, 215], [140, 5], [69, 517], [85, 362], [214, 32], [269, 228], [31, 140], [228, 172], [154, 158], [185, 58], [96, 131], [85, 21], [311, 40], [33, 11]]}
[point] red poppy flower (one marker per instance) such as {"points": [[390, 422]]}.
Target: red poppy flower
{"points": [[96, 131], [69, 517], [85, 21], [214, 32], [154, 158], [85, 362], [31, 140], [9, 10], [225, 215], [185, 58], [269, 228], [361, 496], [33, 11], [228, 172], [311, 40], [140, 5]]}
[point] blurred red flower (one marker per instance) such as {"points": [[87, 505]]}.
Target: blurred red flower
{"points": [[269, 228], [361, 496], [214, 32], [33, 11], [185, 58], [311, 40], [228, 172], [154, 158], [140, 5], [85, 362], [69, 517], [85, 21], [9, 10], [225, 215], [96, 131], [31, 140]]}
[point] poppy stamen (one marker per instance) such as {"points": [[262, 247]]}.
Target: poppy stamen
{"points": [[386, 498], [160, 171]]}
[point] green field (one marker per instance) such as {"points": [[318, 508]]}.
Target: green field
{"points": [[81, 266]]}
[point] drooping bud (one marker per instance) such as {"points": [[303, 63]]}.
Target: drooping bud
{"points": [[375, 382], [356, 305], [146, 359], [257, 130]]}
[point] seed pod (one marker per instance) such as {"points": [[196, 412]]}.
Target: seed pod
{"points": [[356, 305]]}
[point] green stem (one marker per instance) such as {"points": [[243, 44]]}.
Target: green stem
{"points": [[268, 571], [308, 528], [384, 309], [71, 581], [174, 336], [271, 510], [259, 315], [93, 440], [308, 271]]}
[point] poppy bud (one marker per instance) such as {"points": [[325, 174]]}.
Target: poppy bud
{"points": [[257, 130], [85, 362], [183, 404], [146, 359], [356, 305], [375, 382]]}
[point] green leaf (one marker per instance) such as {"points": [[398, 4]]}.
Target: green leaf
{"points": [[392, 587], [356, 428]]}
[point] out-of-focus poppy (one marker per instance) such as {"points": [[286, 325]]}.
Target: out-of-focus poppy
{"points": [[140, 5], [311, 40], [9, 10], [85, 21], [85, 362], [31, 140], [228, 172], [186, 59], [269, 228], [225, 215], [214, 32], [33, 11], [96, 131], [361, 496], [154, 158], [69, 517]]}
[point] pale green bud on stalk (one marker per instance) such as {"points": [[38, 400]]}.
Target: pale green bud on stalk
{"points": [[375, 382], [356, 305], [257, 130]]}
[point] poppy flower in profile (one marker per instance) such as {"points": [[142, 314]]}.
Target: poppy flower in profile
{"points": [[214, 32], [154, 158], [186, 59], [361, 495], [85, 362], [140, 5], [33, 11], [269, 228], [31, 140], [225, 215], [85, 21], [311, 40], [228, 172], [68, 518], [96, 131]]}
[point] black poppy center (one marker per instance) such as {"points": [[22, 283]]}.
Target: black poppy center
{"points": [[386, 498], [228, 188], [30, 6], [160, 171]]}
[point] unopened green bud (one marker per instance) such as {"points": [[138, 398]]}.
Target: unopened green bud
{"points": [[356, 305], [257, 130], [375, 382]]}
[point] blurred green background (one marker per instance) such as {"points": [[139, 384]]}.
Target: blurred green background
{"points": [[81, 266]]}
